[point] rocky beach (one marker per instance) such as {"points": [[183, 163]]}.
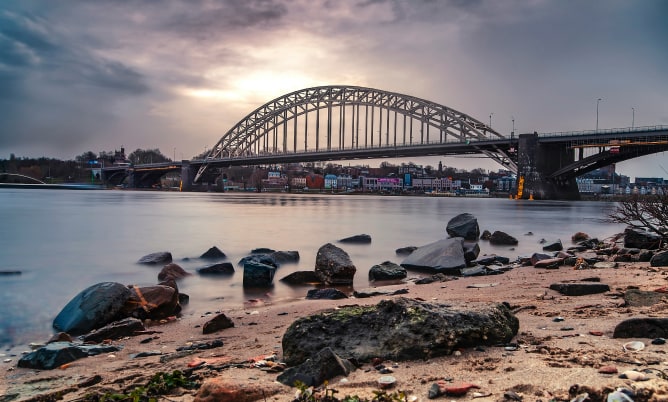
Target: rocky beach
{"points": [[582, 319]]}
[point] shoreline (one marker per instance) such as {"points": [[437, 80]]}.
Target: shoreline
{"points": [[552, 356]]}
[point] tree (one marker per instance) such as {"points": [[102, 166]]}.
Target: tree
{"points": [[647, 212], [143, 156]]}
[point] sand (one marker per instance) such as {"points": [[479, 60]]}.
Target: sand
{"points": [[553, 355]]}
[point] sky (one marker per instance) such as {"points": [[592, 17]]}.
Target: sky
{"points": [[98, 75]]}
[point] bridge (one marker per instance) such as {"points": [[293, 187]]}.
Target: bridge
{"points": [[348, 122]]}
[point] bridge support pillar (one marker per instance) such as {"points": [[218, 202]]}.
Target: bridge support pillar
{"points": [[187, 176], [536, 162]]}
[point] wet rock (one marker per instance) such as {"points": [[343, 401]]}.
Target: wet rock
{"points": [[645, 256], [553, 245], [493, 259], [117, 329], [502, 239], [579, 236], [282, 257], [223, 268], [387, 271], [161, 257], [642, 328], [258, 275], [405, 250], [443, 256], [477, 270], [357, 239], [301, 278], [641, 239], [398, 329], [152, 302], [579, 289], [465, 226], [471, 251], [262, 250], [172, 271], [624, 258], [322, 366], [265, 259], [366, 293], [548, 263], [221, 321], [60, 337], [222, 389], [535, 257], [214, 253], [56, 354], [92, 308], [659, 259], [333, 266], [486, 235], [328, 294]]}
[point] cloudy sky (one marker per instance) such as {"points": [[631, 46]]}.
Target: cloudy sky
{"points": [[96, 75]]}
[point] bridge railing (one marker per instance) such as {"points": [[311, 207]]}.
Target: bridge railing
{"points": [[622, 130]]}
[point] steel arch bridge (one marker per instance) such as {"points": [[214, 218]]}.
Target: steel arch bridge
{"points": [[341, 117]]}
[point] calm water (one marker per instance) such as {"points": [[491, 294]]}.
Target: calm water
{"points": [[64, 241]]}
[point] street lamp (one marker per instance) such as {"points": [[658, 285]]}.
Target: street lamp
{"points": [[490, 120], [597, 102], [633, 117]]}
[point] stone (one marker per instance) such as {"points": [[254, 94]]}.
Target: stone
{"points": [[223, 389], [442, 256], [605, 265], [579, 289], [549, 263], [221, 268], [322, 366], [502, 239], [471, 251], [398, 329], [117, 329], [262, 250], [301, 278], [265, 259], [173, 271], [646, 256], [493, 259], [8, 272], [285, 256], [357, 239], [334, 266], [221, 321], [553, 245], [258, 275], [535, 257], [366, 293], [405, 250], [152, 302], [659, 259], [465, 226], [213, 253], [386, 271], [486, 235], [92, 308], [637, 238], [327, 293], [56, 354], [579, 236], [642, 298], [161, 257]]}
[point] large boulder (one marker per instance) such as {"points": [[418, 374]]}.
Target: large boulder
{"points": [[387, 271], [152, 302], [258, 275], [172, 271], [221, 268], [285, 256], [442, 256], [659, 259], [636, 238], [214, 253], [463, 225], [334, 266], [301, 278], [553, 245], [58, 353], [161, 257], [502, 239], [92, 308], [398, 329]]}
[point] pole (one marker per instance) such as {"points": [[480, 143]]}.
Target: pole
{"points": [[633, 117], [513, 118], [597, 102], [490, 120], [174, 160]]}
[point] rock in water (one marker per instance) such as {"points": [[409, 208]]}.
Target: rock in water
{"points": [[502, 239], [387, 271], [357, 239], [443, 256], [213, 253], [172, 271], [58, 353], [161, 257], [258, 275], [463, 225], [93, 308], [398, 329], [333, 266]]}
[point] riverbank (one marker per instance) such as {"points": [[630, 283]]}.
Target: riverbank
{"points": [[561, 349]]}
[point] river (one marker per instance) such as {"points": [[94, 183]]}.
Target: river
{"points": [[63, 241]]}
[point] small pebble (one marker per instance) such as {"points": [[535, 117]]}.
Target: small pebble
{"points": [[558, 319], [567, 329], [659, 341], [634, 375]]}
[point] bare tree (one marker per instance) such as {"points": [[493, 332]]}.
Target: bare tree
{"points": [[647, 212]]}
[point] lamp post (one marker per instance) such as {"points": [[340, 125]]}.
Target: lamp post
{"points": [[597, 102], [490, 119], [633, 117], [512, 132]]}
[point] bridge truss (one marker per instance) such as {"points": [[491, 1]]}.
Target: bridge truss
{"points": [[331, 118]]}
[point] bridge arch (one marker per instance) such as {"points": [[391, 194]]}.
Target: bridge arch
{"points": [[339, 117]]}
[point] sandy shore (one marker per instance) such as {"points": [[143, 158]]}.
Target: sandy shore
{"points": [[553, 355]]}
